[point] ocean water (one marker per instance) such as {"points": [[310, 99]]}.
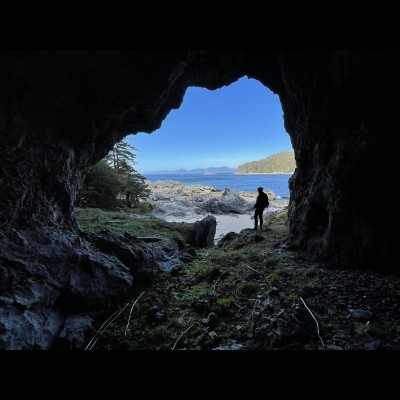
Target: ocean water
{"points": [[278, 183]]}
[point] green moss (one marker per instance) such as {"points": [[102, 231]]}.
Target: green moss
{"points": [[225, 301], [94, 219], [293, 298]]}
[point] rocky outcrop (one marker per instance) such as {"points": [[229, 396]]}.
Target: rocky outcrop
{"points": [[141, 258], [49, 278], [61, 111], [204, 232], [52, 282], [230, 202], [238, 240]]}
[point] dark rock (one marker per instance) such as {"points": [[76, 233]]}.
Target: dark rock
{"points": [[201, 306], [244, 238], [360, 315], [333, 347], [72, 335], [234, 346], [140, 258], [372, 345], [50, 280], [211, 320], [203, 232], [157, 314], [227, 238], [273, 292], [230, 202], [214, 274]]}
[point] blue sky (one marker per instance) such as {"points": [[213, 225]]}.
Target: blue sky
{"points": [[225, 127]]}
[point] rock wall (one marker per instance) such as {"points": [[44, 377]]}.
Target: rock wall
{"points": [[340, 109]]}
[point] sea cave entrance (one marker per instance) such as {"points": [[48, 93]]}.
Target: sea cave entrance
{"points": [[232, 138]]}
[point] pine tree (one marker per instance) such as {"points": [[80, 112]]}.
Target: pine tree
{"points": [[100, 187], [122, 159], [111, 176]]}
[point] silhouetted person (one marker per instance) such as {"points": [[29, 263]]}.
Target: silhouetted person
{"points": [[261, 203]]}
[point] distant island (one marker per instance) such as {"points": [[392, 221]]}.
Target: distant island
{"points": [[279, 163], [203, 171]]}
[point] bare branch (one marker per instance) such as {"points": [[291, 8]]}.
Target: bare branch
{"points": [[305, 305]]}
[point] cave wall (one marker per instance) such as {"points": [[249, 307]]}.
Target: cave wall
{"points": [[61, 111], [341, 110]]}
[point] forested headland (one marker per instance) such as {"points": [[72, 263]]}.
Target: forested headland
{"points": [[283, 162]]}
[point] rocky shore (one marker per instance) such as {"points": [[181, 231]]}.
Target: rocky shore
{"points": [[177, 202]]}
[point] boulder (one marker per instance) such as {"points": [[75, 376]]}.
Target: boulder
{"points": [[53, 277], [203, 232], [244, 238], [229, 202], [140, 257]]}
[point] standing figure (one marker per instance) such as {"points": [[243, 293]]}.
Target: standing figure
{"points": [[261, 203]]}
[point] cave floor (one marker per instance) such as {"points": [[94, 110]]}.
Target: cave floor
{"points": [[251, 294]]}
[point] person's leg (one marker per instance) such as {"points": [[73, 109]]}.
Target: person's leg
{"points": [[261, 219], [255, 219]]}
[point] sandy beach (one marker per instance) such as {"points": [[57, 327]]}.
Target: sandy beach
{"points": [[225, 223]]}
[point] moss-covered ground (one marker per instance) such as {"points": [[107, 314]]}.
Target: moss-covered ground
{"points": [[250, 293]]}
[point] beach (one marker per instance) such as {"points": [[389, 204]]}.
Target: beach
{"points": [[175, 201]]}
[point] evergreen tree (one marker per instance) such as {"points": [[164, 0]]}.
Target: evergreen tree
{"points": [[100, 187], [111, 176], [122, 159]]}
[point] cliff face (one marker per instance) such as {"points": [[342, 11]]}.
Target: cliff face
{"points": [[61, 111]]}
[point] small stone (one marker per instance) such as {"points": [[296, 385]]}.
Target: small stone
{"points": [[372, 345], [360, 315], [268, 306], [201, 306], [273, 292], [160, 314], [234, 346], [213, 335], [333, 347], [212, 319], [157, 314]]}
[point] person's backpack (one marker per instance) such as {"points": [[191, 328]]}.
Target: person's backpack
{"points": [[265, 200]]}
